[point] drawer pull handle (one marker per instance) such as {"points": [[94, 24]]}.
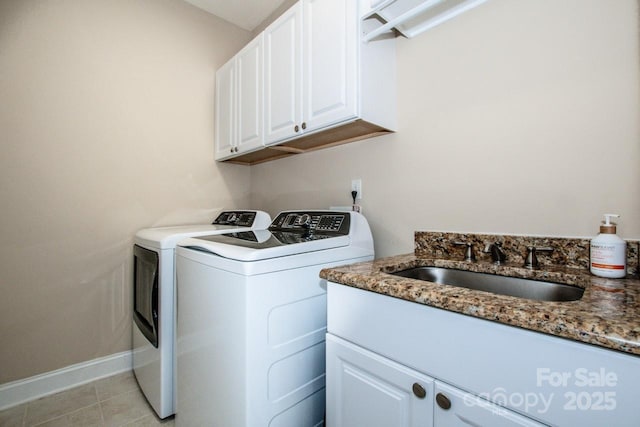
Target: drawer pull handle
{"points": [[419, 391], [443, 401]]}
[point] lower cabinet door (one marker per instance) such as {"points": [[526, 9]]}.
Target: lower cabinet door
{"points": [[455, 408], [366, 389]]}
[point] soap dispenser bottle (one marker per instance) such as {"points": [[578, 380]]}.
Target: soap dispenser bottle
{"points": [[608, 251]]}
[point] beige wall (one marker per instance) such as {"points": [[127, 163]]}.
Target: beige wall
{"points": [[517, 117], [106, 127]]}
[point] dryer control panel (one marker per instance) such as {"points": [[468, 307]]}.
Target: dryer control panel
{"points": [[330, 222], [238, 218]]}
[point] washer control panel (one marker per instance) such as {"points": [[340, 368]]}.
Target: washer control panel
{"points": [[312, 221], [238, 218]]}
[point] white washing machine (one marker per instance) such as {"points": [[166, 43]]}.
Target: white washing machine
{"points": [[252, 319], [154, 303]]}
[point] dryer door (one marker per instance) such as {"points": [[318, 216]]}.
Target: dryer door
{"points": [[145, 292]]}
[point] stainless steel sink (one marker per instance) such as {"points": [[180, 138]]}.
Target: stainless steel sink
{"points": [[512, 286]]}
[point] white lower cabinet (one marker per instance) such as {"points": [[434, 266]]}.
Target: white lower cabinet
{"points": [[474, 372], [367, 389]]}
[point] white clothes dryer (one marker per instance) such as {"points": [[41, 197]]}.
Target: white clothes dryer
{"points": [[154, 303], [252, 319]]}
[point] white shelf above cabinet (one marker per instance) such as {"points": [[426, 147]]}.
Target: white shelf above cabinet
{"points": [[413, 17]]}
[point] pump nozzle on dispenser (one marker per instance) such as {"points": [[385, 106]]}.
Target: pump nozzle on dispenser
{"points": [[607, 226], [607, 218]]}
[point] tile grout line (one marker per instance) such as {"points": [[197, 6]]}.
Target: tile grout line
{"points": [[95, 389], [26, 413]]}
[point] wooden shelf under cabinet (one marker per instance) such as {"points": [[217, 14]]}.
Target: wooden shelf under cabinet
{"points": [[331, 137]]}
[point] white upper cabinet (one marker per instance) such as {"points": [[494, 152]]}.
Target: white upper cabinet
{"points": [[250, 96], [310, 68], [312, 57], [330, 62], [322, 85], [225, 110], [283, 75], [239, 102]]}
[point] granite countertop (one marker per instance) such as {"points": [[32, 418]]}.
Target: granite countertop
{"points": [[608, 314]]}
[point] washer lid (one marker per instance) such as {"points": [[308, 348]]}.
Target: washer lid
{"points": [[263, 244], [167, 237], [226, 222]]}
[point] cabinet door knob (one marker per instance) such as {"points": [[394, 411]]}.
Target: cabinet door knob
{"points": [[296, 128], [235, 149], [231, 150], [443, 401], [304, 125], [419, 391]]}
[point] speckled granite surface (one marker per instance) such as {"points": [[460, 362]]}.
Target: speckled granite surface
{"points": [[568, 252], [608, 314]]}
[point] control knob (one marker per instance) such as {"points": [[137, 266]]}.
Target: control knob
{"points": [[304, 220]]}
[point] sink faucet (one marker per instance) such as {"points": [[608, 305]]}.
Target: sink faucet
{"points": [[497, 254]]}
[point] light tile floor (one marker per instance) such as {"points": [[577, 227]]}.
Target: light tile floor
{"points": [[109, 402]]}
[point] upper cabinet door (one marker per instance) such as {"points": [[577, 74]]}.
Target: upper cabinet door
{"points": [[283, 76], [250, 95], [330, 62], [225, 110]]}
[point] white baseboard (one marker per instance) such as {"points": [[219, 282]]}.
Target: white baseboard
{"points": [[20, 391]]}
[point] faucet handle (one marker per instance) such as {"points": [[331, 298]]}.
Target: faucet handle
{"points": [[469, 256], [531, 260]]}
